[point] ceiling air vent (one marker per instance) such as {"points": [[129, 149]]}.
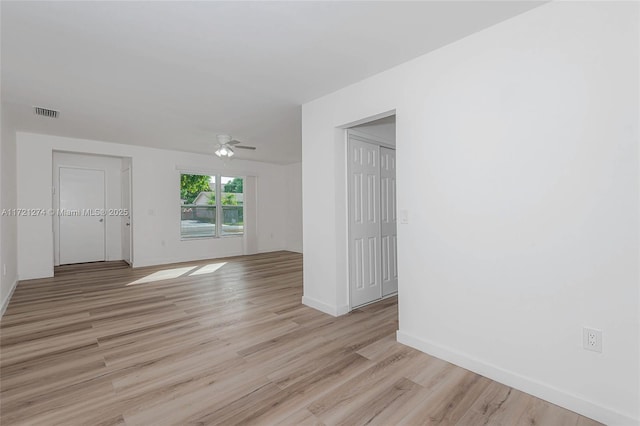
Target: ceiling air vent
{"points": [[46, 112]]}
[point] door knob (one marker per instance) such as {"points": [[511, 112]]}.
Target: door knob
{"points": [[127, 224]]}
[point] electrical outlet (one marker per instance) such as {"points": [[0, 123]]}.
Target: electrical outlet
{"points": [[404, 217], [592, 339]]}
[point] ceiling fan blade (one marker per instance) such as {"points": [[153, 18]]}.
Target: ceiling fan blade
{"points": [[235, 143]]}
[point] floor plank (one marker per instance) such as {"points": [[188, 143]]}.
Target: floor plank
{"points": [[226, 341]]}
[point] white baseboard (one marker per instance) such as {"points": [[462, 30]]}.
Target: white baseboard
{"points": [[269, 249], [143, 263], [342, 310], [36, 274], [531, 386], [158, 261], [7, 299], [335, 311]]}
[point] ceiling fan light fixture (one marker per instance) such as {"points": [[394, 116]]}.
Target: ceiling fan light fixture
{"points": [[225, 143], [224, 151], [224, 139]]}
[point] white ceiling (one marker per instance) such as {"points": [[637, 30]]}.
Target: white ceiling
{"points": [[175, 74]]}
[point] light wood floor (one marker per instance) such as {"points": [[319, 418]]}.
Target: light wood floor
{"points": [[208, 343]]}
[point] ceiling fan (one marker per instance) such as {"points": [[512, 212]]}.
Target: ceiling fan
{"points": [[225, 144]]}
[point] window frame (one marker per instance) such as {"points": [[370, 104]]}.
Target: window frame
{"points": [[218, 206]]}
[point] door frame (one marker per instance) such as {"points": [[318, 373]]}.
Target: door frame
{"points": [[128, 170], [348, 132], [55, 201]]}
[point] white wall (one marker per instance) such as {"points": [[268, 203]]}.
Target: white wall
{"points": [[156, 212], [293, 225], [518, 163], [112, 167], [8, 200]]}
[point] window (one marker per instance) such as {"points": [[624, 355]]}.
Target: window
{"points": [[232, 202], [202, 209]]}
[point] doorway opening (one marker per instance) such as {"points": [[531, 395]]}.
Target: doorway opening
{"points": [[372, 214], [92, 209]]}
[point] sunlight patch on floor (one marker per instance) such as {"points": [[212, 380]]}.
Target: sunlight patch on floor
{"points": [[208, 269], [166, 274]]}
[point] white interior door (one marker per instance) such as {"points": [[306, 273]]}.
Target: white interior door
{"points": [[388, 221], [364, 221], [82, 226], [126, 220]]}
